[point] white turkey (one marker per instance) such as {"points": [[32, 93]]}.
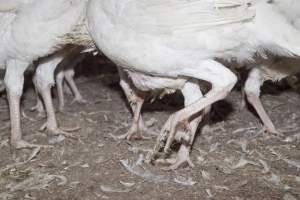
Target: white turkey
{"points": [[31, 30], [183, 38], [274, 70], [64, 72], [139, 87]]}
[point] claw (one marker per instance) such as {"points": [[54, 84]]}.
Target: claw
{"points": [[182, 158], [272, 131], [79, 100], [172, 132], [22, 144], [57, 131], [135, 133]]}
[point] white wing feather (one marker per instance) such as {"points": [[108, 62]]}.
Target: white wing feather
{"points": [[177, 16], [12, 5]]}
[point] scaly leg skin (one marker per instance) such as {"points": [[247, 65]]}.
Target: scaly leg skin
{"points": [[16, 133], [192, 93], [44, 83], [181, 116], [69, 75], [136, 102], [51, 124], [14, 80], [205, 121], [183, 158], [243, 100], [39, 107], [252, 90], [222, 80], [136, 128], [59, 79]]}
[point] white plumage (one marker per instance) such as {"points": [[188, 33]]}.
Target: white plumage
{"points": [[37, 29], [273, 69], [181, 39]]}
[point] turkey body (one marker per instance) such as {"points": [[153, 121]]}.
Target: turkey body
{"points": [[32, 30], [182, 39]]}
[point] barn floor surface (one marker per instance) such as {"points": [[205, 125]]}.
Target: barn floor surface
{"points": [[235, 160]]}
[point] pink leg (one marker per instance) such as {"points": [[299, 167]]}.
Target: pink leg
{"points": [[45, 80], [136, 102], [39, 107], [191, 92], [252, 90], [69, 75], [14, 81], [59, 79], [222, 81]]}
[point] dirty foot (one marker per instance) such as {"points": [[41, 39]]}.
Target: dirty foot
{"points": [[272, 132], [22, 144], [135, 133], [79, 100], [183, 158], [58, 131]]}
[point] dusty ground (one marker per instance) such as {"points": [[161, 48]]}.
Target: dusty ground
{"points": [[234, 161]]}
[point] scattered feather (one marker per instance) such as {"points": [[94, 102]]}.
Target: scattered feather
{"points": [[28, 196], [265, 166], [292, 138], [100, 159], [242, 143], [200, 159], [35, 180], [86, 165], [56, 139], [244, 130], [271, 149], [137, 150], [4, 143], [217, 187], [184, 181], [214, 147], [294, 163], [208, 138], [63, 179], [33, 154], [127, 184], [205, 175], [151, 122], [243, 162], [274, 179], [141, 171], [208, 191], [113, 189]]}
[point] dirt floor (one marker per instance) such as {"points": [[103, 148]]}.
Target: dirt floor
{"points": [[235, 160]]}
